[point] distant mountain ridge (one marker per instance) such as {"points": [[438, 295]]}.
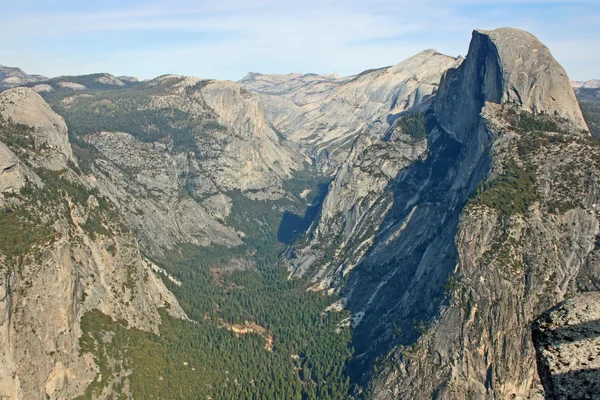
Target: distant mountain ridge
{"points": [[12, 77], [591, 84], [325, 114]]}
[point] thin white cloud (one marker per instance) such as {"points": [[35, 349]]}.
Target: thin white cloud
{"points": [[227, 38]]}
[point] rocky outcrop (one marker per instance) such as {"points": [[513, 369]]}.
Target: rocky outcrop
{"points": [[12, 177], [567, 343], [253, 157], [506, 65], [326, 114]]}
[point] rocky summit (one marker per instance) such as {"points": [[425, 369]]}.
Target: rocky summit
{"points": [[428, 230]]}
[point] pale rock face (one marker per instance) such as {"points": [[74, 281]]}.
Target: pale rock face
{"points": [[145, 183], [42, 87], [25, 106], [532, 78], [218, 206], [71, 85], [253, 158], [131, 79], [41, 307], [13, 80], [110, 80], [327, 113]]}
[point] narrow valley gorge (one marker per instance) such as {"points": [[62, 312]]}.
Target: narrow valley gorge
{"points": [[388, 235]]}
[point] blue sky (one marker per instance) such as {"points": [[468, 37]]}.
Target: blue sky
{"points": [[225, 39]]}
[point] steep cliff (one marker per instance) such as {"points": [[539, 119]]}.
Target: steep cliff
{"points": [[456, 253], [64, 250], [326, 114]]}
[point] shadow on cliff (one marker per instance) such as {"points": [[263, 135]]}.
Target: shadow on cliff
{"points": [[292, 225], [398, 288]]}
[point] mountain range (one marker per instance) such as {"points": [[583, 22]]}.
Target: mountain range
{"points": [[392, 234]]}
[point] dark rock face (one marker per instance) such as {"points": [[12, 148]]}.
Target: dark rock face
{"points": [[567, 344]]}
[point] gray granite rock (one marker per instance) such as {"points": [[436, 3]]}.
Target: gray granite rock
{"points": [[567, 343], [327, 113]]}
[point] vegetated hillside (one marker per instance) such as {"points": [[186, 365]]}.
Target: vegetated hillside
{"points": [[64, 85], [446, 248]]}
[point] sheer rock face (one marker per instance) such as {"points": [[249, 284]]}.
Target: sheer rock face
{"points": [[449, 276], [254, 157], [328, 113], [12, 177], [357, 201], [506, 65], [531, 77], [567, 343], [76, 256]]}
